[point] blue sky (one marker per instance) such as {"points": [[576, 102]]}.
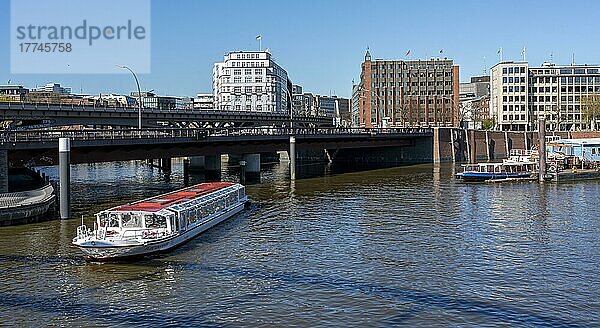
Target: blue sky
{"points": [[321, 43]]}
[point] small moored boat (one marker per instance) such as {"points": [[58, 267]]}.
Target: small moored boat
{"points": [[507, 170], [160, 223]]}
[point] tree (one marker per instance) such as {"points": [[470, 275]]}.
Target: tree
{"points": [[487, 123], [590, 107]]}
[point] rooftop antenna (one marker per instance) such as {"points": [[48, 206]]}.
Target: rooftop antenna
{"points": [[573, 60], [9, 81], [484, 67]]}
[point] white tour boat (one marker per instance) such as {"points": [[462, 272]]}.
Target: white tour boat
{"points": [[159, 223]]}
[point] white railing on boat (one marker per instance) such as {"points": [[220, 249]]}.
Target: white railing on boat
{"points": [[523, 152]]}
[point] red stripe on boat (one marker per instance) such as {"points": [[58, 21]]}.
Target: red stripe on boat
{"points": [[157, 203]]}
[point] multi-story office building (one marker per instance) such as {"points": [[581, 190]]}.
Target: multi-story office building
{"points": [[54, 88], [509, 101], [13, 92], [251, 81], [204, 101], [152, 101], [408, 92], [474, 102], [478, 87], [521, 94], [114, 100], [300, 103], [355, 106], [343, 105]]}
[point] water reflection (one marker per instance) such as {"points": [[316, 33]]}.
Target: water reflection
{"points": [[403, 246]]}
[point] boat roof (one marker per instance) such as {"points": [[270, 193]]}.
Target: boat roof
{"points": [[585, 142], [157, 203]]}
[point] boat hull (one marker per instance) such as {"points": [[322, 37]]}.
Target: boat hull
{"points": [[106, 251], [484, 176]]}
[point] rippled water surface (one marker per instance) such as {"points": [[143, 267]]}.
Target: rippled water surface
{"points": [[404, 246]]}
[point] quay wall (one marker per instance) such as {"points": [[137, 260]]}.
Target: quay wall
{"points": [[460, 145]]}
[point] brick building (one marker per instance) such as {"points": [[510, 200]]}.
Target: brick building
{"points": [[395, 93]]}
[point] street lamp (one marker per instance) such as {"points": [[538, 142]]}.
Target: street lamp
{"points": [[139, 94], [291, 102]]}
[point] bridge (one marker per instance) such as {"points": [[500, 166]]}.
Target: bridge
{"points": [[27, 114], [203, 148], [88, 146]]}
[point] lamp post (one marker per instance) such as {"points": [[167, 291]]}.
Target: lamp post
{"points": [[139, 94], [289, 94]]}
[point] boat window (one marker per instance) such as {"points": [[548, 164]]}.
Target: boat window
{"points": [[192, 216], [155, 221], [109, 221], [174, 223], [132, 221]]}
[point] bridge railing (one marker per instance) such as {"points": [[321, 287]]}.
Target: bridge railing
{"points": [[195, 133], [87, 107], [53, 135]]}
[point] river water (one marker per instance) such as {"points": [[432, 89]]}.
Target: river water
{"points": [[405, 246]]}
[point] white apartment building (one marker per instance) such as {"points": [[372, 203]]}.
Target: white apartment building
{"points": [[509, 106], [204, 101], [250, 81], [520, 94]]}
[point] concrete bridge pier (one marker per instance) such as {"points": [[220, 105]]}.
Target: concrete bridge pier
{"points": [[186, 172], [212, 167], [3, 171], [64, 169], [292, 154], [165, 164], [252, 166]]}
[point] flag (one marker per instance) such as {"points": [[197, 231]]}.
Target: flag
{"points": [[9, 81], [258, 37], [408, 53], [441, 51], [499, 51]]}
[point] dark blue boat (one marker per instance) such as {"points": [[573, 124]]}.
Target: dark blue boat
{"points": [[497, 171]]}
